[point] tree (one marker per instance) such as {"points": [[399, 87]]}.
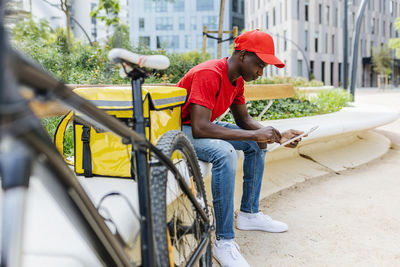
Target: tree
{"points": [[111, 8], [382, 62], [394, 43], [64, 4]]}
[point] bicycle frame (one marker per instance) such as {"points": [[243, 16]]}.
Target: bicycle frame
{"points": [[24, 130]]}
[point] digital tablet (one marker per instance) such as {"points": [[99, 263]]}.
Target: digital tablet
{"points": [[294, 138]]}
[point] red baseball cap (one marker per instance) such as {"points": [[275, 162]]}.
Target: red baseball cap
{"points": [[260, 43]]}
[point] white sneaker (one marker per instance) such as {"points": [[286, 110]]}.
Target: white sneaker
{"points": [[259, 221], [227, 253]]}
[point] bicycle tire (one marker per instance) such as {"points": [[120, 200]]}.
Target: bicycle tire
{"points": [[169, 143]]}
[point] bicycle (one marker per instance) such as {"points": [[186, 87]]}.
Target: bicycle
{"points": [[173, 231]]}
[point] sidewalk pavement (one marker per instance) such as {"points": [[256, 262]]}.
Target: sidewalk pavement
{"points": [[346, 219]]}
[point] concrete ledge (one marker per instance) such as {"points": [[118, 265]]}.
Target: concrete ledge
{"points": [[342, 141]]}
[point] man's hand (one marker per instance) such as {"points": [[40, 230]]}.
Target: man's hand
{"points": [[267, 135], [289, 134]]}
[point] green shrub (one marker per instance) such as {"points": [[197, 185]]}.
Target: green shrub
{"points": [[325, 101]]}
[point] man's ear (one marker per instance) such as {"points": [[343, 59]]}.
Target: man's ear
{"points": [[242, 54]]}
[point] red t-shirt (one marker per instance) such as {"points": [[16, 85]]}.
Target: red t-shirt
{"points": [[208, 85]]}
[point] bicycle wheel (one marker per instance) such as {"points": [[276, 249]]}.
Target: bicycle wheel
{"points": [[178, 227]]}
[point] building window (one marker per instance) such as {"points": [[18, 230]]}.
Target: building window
{"points": [[210, 22], [161, 6], [267, 20], [383, 29], [242, 6], [323, 72], [320, 13], [299, 67], [235, 7], [373, 26], [204, 5], [312, 67], [286, 11], [333, 43], [335, 21], [141, 24], [306, 10], [164, 24], [273, 16], [298, 9], [390, 30], [193, 23], [179, 5], [168, 41], [327, 15], [306, 40], [181, 23], [285, 40], [316, 42], [188, 42], [148, 6], [144, 41], [326, 43]]}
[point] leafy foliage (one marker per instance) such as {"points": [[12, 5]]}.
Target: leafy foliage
{"points": [[394, 43], [110, 8], [382, 60], [325, 101]]}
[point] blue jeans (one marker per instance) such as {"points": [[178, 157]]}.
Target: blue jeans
{"points": [[222, 155]]}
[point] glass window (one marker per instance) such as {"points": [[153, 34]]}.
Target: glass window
{"points": [[316, 42], [327, 15], [188, 42], [326, 43], [141, 24], [285, 40], [373, 26], [242, 6], [320, 13], [193, 23], [161, 6], [298, 9], [235, 7], [306, 40], [168, 41], [144, 41], [383, 29], [210, 22], [181, 23], [273, 17], [299, 67], [306, 10], [333, 43], [267, 20], [164, 23], [179, 5], [148, 6], [336, 17], [204, 5]]}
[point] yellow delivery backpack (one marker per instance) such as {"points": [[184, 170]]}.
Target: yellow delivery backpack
{"points": [[102, 153]]}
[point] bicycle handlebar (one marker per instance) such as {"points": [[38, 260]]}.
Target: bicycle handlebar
{"points": [[118, 55]]}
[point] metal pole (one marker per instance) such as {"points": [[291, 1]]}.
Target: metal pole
{"points": [[355, 47], [220, 28], [345, 33]]}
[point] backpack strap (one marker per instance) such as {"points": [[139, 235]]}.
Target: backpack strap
{"points": [[87, 154], [60, 134]]}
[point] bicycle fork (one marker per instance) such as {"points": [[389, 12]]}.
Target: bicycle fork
{"points": [[15, 169]]}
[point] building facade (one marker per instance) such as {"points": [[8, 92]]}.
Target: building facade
{"points": [[177, 26], [311, 33], [82, 25]]}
